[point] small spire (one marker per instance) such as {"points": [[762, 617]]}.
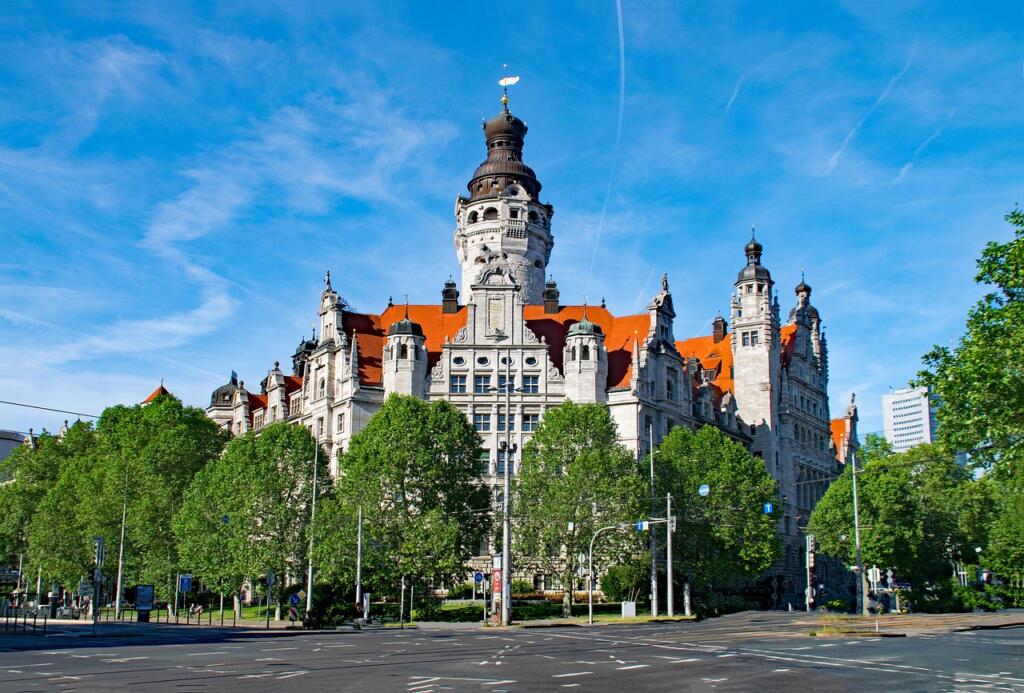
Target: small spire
{"points": [[391, 301], [407, 306], [327, 281], [603, 305], [277, 365], [584, 307], [664, 281]]}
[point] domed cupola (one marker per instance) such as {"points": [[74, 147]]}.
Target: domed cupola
{"points": [[505, 135], [585, 362], [584, 327], [405, 358], [754, 269], [803, 300]]}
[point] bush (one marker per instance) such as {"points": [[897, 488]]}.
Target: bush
{"points": [[463, 591], [840, 605], [332, 605], [626, 582], [520, 587]]}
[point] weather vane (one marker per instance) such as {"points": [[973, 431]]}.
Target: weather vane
{"points": [[506, 82]]}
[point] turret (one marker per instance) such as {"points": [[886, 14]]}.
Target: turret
{"points": [[503, 219], [405, 359], [585, 362]]}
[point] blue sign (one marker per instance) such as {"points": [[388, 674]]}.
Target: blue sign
{"points": [[768, 508], [478, 577], [294, 599], [185, 583], [144, 598], [641, 525]]}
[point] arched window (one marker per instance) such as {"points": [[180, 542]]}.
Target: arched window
{"points": [[573, 357], [323, 387], [473, 216], [403, 351], [533, 217], [584, 353], [490, 214], [670, 389]]}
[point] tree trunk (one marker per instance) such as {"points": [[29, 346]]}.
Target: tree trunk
{"points": [[567, 585]]}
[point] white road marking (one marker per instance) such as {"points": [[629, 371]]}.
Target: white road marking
{"points": [[781, 670], [26, 666], [497, 683], [292, 675], [574, 673], [278, 649], [570, 685], [207, 654], [633, 666]]}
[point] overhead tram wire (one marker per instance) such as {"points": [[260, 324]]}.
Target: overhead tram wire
{"points": [[59, 411]]}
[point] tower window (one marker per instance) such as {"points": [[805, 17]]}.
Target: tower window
{"points": [[746, 339], [473, 217], [513, 213], [403, 351], [323, 387], [490, 214], [573, 356], [532, 216], [584, 353], [753, 339]]}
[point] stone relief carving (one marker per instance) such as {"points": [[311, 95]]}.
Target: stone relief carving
{"points": [[461, 336]]}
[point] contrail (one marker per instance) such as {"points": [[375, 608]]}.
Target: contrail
{"points": [[920, 148], [618, 136], [833, 160]]}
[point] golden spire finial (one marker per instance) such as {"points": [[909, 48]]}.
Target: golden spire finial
{"points": [[506, 82]]}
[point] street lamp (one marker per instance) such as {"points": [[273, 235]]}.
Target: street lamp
{"points": [[312, 517], [508, 449], [590, 569]]}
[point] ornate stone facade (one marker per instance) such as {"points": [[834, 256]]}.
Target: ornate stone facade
{"points": [[511, 350]]}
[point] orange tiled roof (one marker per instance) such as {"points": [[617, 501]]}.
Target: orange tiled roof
{"points": [[372, 330], [838, 427], [788, 337], [620, 334], [711, 355], [257, 402], [292, 383], [156, 393]]}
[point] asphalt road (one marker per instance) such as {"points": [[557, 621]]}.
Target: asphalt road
{"points": [[758, 652]]}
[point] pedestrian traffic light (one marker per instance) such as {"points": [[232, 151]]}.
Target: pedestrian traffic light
{"points": [[810, 559], [97, 551]]}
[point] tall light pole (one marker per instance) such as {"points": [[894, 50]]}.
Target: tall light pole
{"points": [[668, 556], [508, 448], [861, 601], [654, 543], [120, 553], [312, 517], [359, 561]]}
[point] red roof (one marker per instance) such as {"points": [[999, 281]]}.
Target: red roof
{"points": [[788, 337], [292, 383], [711, 355], [839, 433], [156, 393]]}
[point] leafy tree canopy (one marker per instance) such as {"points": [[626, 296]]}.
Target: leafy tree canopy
{"points": [[415, 472], [576, 478], [725, 537]]}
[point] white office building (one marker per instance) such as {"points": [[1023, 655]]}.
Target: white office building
{"points": [[909, 417]]}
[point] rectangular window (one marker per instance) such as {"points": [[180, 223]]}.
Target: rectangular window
{"points": [[501, 463], [259, 421], [482, 422], [485, 461], [457, 385], [511, 422], [273, 413], [506, 383], [746, 339], [753, 339], [530, 422], [320, 427], [341, 423], [531, 384], [482, 384]]}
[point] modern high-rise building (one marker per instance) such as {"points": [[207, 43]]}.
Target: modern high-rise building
{"points": [[909, 417]]}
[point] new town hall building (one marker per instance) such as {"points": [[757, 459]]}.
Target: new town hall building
{"points": [[764, 381]]}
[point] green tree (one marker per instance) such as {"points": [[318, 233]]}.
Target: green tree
{"points": [[981, 379], [263, 483], [575, 478], [919, 510], [725, 538], [32, 473], [415, 472]]}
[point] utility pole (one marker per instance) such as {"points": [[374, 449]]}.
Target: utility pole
{"points": [[654, 543], [809, 562], [862, 603], [668, 555], [359, 561], [506, 536], [120, 554], [312, 517]]}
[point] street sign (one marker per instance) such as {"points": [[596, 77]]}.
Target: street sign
{"points": [[496, 581], [478, 577], [185, 583], [293, 614], [641, 525], [768, 508], [874, 574], [97, 575], [294, 599], [704, 490]]}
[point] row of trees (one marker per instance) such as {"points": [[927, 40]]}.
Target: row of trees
{"points": [[921, 512], [229, 511]]}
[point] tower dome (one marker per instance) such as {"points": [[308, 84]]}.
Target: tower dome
{"points": [[754, 269], [505, 135]]}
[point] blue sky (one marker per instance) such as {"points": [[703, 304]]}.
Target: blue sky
{"points": [[174, 182]]}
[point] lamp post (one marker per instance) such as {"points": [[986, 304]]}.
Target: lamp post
{"points": [[508, 449], [312, 517], [590, 569], [120, 553], [654, 543], [862, 603]]}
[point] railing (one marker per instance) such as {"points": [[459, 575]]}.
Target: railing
{"points": [[13, 625]]}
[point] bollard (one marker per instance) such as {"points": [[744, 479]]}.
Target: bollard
{"points": [[44, 625]]}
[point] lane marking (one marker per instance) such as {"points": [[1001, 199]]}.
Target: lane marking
{"points": [[292, 675], [633, 666], [574, 673], [207, 654], [278, 649]]}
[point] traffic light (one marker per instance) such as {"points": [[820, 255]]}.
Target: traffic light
{"points": [[810, 559], [97, 551]]}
